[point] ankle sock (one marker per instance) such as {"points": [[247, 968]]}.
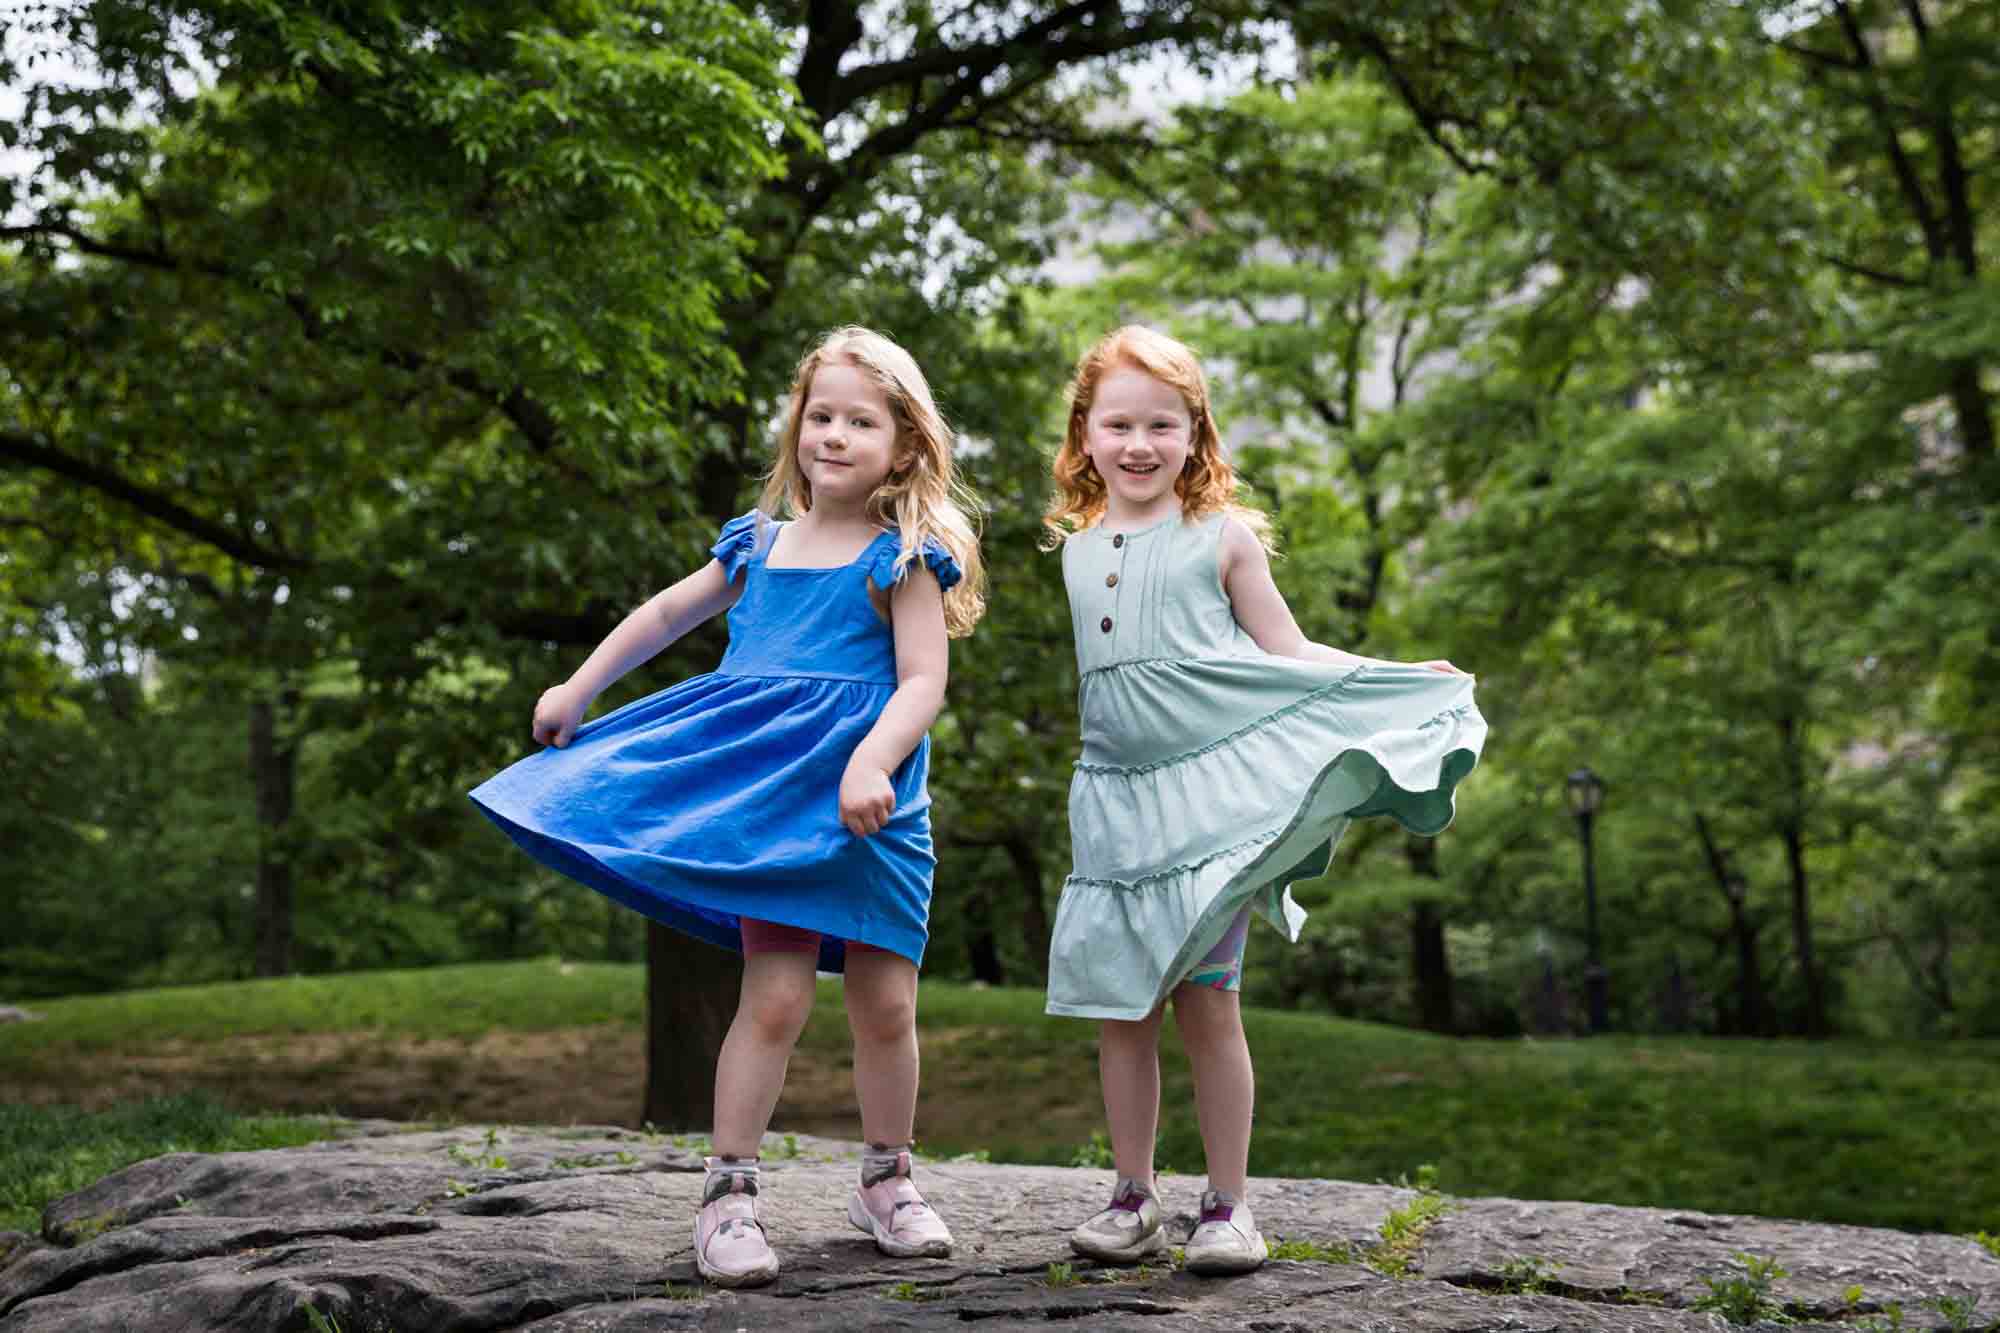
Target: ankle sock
{"points": [[880, 1161], [1219, 1206], [720, 1172]]}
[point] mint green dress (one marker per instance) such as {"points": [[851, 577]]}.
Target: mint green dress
{"points": [[1214, 774]]}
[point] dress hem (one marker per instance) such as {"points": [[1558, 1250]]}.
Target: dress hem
{"points": [[684, 913], [1245, 883]]}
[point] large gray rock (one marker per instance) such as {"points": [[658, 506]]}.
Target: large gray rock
{"points": [[589, 1230]]}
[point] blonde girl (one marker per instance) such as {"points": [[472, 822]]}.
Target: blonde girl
{"points": [[777, 806]]}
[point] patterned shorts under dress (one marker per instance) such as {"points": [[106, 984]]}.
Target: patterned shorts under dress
{"points": [[1221, 968]]}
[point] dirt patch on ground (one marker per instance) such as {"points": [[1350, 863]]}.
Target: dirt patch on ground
{"points": [[586, 1075], [567, 1076]]}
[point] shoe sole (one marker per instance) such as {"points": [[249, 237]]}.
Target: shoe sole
{"points": [[1227, 1265], [886, 1241], [1117, 1254], [754, 1277]]}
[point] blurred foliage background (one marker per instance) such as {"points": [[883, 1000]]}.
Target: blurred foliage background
{"points": [[361, 363]]}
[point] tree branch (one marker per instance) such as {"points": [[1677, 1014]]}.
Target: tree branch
{"points": [[1872, 274], [832, 28], [1951, 162], [977, 62], [1052, 43], [91, 245], [1431, 121], [528, 415], [27, 451], [1826, 59], [1906, 172]]}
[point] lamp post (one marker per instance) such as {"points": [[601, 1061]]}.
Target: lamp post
{"points": [[1584, 791]]}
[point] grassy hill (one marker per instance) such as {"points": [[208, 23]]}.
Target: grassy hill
{"points": [[1875, 1134]]}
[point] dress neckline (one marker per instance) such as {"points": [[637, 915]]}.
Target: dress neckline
{"points": [[859, 556], [1100, 530]]}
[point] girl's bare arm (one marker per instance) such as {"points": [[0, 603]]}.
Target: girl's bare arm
{"points": [[642, 635], [923, 655], [1261, 610]]}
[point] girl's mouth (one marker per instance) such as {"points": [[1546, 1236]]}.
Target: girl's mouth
{"points": [[1139, 469]]}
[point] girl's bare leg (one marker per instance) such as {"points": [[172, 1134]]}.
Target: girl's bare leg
{"points": [[1128, 1069], [771, 1011], [882, 1015], [1211, 1024]]}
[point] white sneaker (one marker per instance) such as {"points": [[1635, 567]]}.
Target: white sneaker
{"points": [[1226, 1240], [895, 1213], [729, 1245], [1128, 1230]]}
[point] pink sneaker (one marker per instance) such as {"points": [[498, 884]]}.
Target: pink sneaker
{"points": [[890, 1209], [729, 1245]]}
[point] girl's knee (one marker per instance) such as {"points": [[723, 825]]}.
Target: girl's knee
{"points": [[881, 1017], [881, 996], [1133, 1031], [881, 1013], [777, 1003], [1207, 1009]]}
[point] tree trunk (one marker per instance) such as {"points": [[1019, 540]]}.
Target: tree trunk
{"points": [[1751, 1011], [691, 991], [1430, 964], [1802, 936], [1975, 414], [618, 930], [981, 948], [272, 774], [1432, 969], [1027, 859], [1750, 1018]]}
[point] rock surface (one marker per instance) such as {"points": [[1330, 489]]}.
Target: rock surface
{"points": [[562, 1231]]}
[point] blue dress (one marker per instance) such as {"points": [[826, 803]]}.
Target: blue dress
{"points": [[718, 798]]}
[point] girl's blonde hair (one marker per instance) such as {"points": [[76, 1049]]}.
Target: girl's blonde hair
{"points": [[922, 497], [1207, 484]]}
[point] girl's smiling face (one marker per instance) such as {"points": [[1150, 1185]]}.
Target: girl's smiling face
{"points": [[847, 435], [1137, 434]]}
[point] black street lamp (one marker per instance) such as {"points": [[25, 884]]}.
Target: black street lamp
{"points": [[1585, 792]]}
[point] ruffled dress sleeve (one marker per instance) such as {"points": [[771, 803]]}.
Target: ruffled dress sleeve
{"points": [[882, 567], [738, 543]]}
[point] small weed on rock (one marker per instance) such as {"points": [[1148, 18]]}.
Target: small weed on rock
{"points": [[1746, 1299]]}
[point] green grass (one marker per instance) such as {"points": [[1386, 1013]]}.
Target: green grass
{"points": [[1870, 1134], [427, 1002], [1883, 1134], [46, 1152]]}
